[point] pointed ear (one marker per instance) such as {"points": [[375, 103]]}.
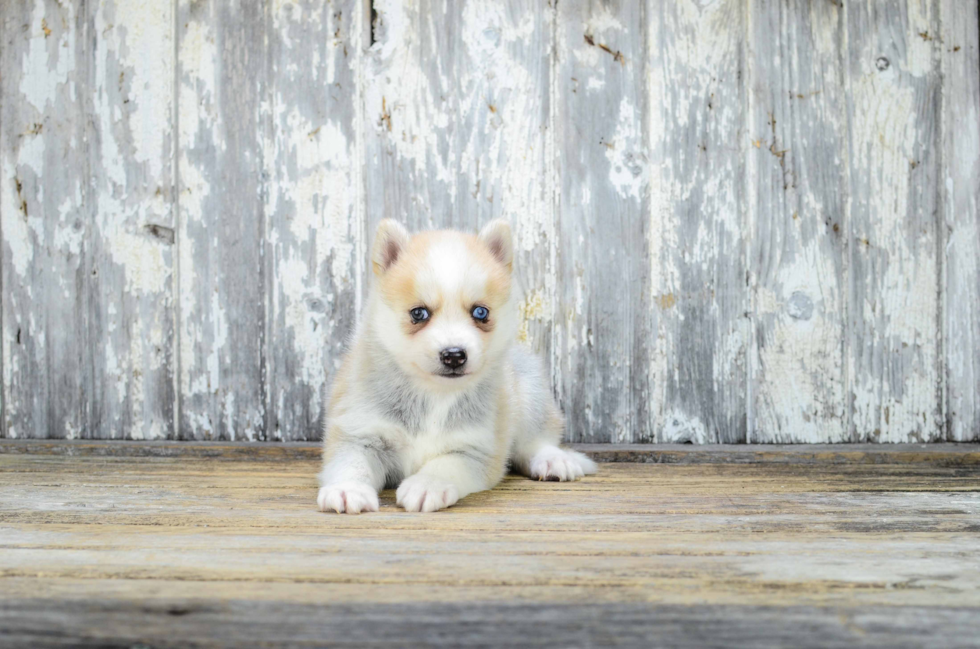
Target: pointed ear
{"points": [[496, 236], [390, 240]]}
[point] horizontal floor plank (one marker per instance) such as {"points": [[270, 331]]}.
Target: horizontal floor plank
{"points": [[240, 623]]}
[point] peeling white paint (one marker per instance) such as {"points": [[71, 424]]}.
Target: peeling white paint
{"points": [[627, 161], [194, 189], [18, 221], [321, 192], [47, 65], [401, 103], [796, 364], [147, 273], [219, 338], [145, 45], [197, 67], [694, 120], [921, 37], [470, 137], [895, 383], [18, 247], [68, 237], [961, 265], [679, 428], [307, 336]]}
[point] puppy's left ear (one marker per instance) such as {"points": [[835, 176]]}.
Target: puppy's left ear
{"points": [[389, 241], [496, 236]]}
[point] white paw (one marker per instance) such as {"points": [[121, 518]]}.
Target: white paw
{"points": [[420, 493], [350, 497], [553, 463]]}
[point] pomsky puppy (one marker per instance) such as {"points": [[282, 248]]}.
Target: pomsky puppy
{"points": [[435, 395]]}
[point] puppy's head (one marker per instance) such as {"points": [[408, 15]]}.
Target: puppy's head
{"points": [[442, 306]]}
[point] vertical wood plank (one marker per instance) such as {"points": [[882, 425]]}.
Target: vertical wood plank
{"points": [[87, 220], [47, 358], [221, 67], [603, 326], [409, 115], [311, 206], [795, 193], [893, 80], [131, 144], [698, 269], [961, 183], [457, 107]]}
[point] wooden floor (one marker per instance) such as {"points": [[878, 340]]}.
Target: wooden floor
{"points": [[221, 546]]}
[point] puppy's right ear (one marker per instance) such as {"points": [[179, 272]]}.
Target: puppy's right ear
{"points": [[390, 240]]}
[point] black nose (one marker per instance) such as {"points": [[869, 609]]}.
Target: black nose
{"points": [[453, 357]]}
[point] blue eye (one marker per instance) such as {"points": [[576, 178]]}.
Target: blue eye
{"points": [[481, 313], [419, 314]]}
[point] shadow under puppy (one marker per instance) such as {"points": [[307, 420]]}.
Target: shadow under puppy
{"points": [[435, 396]]}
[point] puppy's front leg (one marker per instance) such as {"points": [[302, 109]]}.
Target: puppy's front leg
{"points": [[445, 479], [352, 476]]}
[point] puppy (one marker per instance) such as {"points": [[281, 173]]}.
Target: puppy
{"points": [[435, 396]]}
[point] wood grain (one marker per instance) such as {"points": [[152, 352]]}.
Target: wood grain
{"points": [[40, 130], [795, 182], [697, 231], [178, 550], [245, 623], [311, 206], [960, 52], [87, 220], [603, 337], [894, 111], [222, 71]]}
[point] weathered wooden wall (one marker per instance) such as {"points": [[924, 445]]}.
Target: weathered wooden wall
{"points": [[736, 220]]}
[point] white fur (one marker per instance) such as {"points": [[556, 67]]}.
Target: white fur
{"points": [[349, 497], [553, 463], [394, 420], [423, 493]]}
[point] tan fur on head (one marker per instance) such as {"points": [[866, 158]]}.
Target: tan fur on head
{"points": [[448, 274]]}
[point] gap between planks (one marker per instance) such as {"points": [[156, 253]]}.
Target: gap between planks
{"points": [[938, 454]]}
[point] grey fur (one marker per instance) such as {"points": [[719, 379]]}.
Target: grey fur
{"points": [[396, 397], [384, 452], [474, 453], [533, 386], [474, 406]]}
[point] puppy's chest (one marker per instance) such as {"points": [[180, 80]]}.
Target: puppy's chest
{"points": [[420, 414]]}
